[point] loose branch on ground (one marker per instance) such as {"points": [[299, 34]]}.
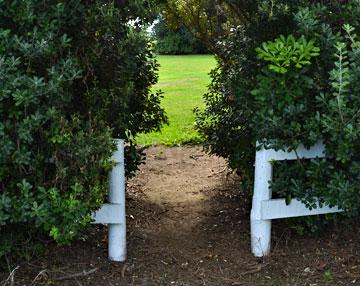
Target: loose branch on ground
{"points": [[11, 276], [75, 275]]}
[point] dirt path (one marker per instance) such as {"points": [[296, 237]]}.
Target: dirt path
{"points": [[197, 230], [183, 234], [188, 225], [179, 181]]}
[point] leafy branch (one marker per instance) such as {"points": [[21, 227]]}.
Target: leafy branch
{"points": [[282, 53]]}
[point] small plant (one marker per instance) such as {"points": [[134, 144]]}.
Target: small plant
{"points": [[283, 53], [328, 276]]}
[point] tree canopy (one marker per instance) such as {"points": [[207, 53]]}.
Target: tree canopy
{"points": [[209, 20]]}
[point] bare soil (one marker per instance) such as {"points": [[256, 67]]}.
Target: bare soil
{"points": [[188, 224]]}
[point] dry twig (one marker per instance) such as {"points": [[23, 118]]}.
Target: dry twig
{"points": [[11, 276], [75, 275], [37, 276], [123, 271]]}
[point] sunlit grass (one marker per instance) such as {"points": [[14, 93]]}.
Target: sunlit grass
{"points": [[183, 79]]}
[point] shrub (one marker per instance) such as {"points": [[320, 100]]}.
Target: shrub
{"points": [[225, 122], [326, 110], [73, 75], [290, 90]]}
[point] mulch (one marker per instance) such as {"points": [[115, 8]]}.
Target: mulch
{"points": [[195, 235]]}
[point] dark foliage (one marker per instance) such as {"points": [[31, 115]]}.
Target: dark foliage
{"points": [[299, 88], [73, 75], [177, 41]]}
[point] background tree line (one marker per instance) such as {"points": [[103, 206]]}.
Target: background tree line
{"points": [[175, 40]]}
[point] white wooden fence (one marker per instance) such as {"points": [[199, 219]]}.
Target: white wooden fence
{"points": [[264, 209], [113, 213]]}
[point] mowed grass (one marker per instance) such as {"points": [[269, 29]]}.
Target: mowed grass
{"points": [[183, 79]]}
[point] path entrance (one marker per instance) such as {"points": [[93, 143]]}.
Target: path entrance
{"points": [[182, 184], [189, 219], [188, 225]]}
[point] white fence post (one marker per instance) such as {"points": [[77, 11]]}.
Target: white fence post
{"points": [[117, 232], [264, 209], [113, 213], [260, 229]]}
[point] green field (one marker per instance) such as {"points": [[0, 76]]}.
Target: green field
{"points": [[183, 79]]}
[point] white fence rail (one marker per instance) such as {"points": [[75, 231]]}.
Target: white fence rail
{"points": [[264, 209], [113, 213]]}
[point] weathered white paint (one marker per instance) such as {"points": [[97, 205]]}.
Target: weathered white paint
{"points": [[264, 209], [318, 150], [261, 229], [105, 215], [275, 209], [113, 213]]}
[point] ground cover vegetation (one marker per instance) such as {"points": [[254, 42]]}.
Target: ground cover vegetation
{"points": [[287, 74], [73, 75], [183, 80], [176, 40]]}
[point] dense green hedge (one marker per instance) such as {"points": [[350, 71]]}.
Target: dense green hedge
{"points": [[285, 90], [73, 75], [178, 41]]}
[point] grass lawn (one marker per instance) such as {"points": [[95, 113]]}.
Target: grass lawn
{"points": [[183, 79]]}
